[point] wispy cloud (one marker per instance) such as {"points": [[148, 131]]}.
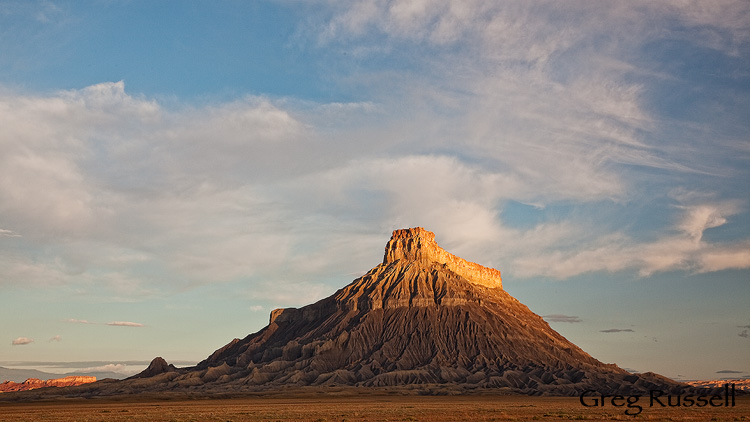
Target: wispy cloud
{"points": [[118, 368], [112, 323], [617, 330], [616, 252], [561, 318], [125, 324], [78, 321], [20, 341], [49, 12], [56, 338], [8, 233], [729, 371]]}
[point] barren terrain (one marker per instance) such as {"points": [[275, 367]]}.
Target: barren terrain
{"points": [[344, 406]]}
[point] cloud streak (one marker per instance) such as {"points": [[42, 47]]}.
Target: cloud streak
{"points": [[617, 330], [125, 324], [112, 323], [78, 321], [8, 233], [562, 318]]}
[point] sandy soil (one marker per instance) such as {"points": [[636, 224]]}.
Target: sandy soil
{"points": [[353, 408]]}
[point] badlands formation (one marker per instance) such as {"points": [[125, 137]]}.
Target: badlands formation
{"points": [[422, 320]]}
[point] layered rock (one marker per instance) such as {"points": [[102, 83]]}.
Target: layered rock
{"points": [[418, 244], [421, 317], [34, 383]]}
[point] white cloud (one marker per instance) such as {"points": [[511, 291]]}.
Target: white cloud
{"points": [[684, 251], [83, 168], [21, 341], [56, 338], [702, 217], [8, 233], [118, 368], [122, 196], [719, 258], [246, 189]]}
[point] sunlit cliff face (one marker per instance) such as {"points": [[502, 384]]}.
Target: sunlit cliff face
{"points": [[418, 244]]}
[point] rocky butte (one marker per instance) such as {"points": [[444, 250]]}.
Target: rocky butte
{"points": [[423, 319]]}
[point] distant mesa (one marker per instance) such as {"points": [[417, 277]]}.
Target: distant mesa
{"points": [[33, 383], [423, 319], [739, 384]]}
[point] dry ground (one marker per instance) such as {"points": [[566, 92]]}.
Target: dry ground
{"points": [[352, 408]]}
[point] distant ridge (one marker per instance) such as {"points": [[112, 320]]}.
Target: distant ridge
{"points": [[33, 383], [20, 375], [739, 384]]}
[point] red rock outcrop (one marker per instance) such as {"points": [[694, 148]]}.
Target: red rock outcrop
{"points": [[739, 385], [33, 383], [418, 244]]}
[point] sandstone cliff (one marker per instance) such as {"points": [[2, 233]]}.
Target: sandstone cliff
{"points": [[418, 244], [33, 383]]}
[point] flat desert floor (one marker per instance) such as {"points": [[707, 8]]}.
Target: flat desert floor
{"points": [[353, 408]]}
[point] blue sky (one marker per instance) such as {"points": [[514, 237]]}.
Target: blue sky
{"points": [[173, 171]]}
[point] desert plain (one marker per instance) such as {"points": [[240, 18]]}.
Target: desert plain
{"points": [[345, 405]]}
